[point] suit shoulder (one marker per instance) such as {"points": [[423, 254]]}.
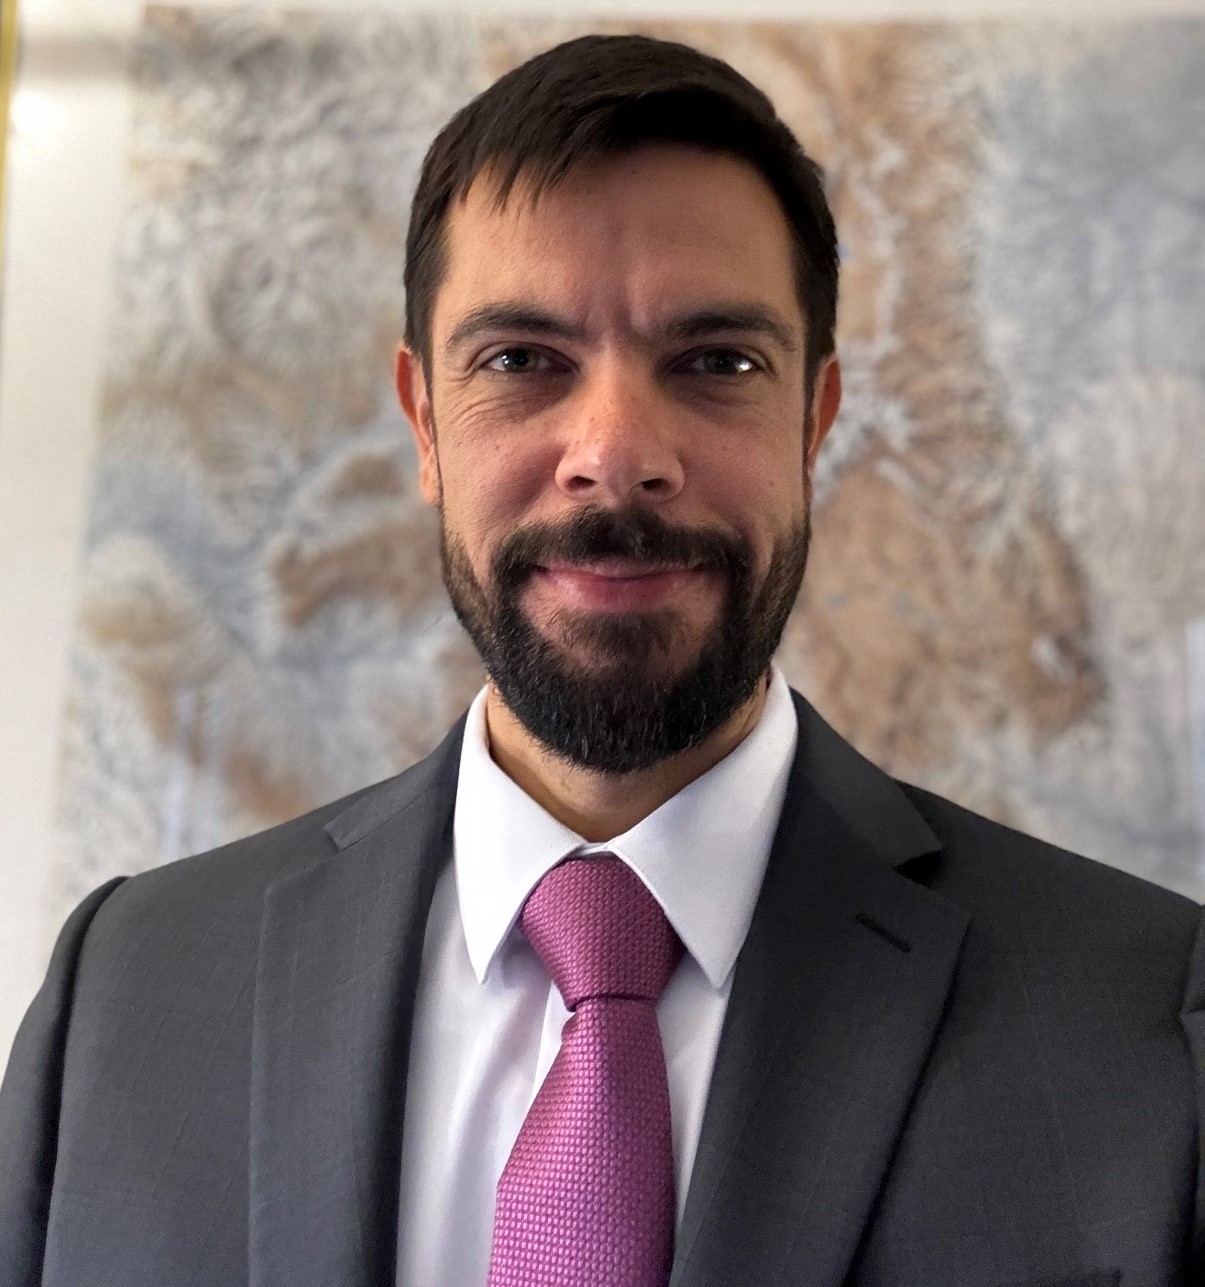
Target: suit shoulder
{"points": [[1000, 870], [196, 908], [224, 886]]}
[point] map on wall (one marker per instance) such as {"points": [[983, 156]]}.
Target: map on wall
{"points": [[1006, 596]]}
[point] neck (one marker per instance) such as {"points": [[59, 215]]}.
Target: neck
{"points": [[600, 806]]}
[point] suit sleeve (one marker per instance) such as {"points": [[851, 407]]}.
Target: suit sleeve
{"points": [[29, 1105], [1193, 1018]]}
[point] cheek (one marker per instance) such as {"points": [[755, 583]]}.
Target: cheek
{"points": [[489, 490], [760, 492]]}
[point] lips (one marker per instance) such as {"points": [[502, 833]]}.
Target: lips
{"points": [[615, 569], [615, 585]]}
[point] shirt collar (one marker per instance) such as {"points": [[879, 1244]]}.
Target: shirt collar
{"points": [[702, 854]]}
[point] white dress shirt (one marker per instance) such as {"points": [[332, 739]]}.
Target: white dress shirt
{"points": [[487, 1020]]}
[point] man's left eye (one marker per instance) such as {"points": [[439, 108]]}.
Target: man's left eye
{"points": [[721, 362]]}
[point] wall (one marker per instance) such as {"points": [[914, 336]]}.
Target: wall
{"points": [[1094, 691]]}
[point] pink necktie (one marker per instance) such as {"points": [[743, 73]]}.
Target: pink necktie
{"points": [[587, 1195]]}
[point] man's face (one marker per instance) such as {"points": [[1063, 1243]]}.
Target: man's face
{"points": [[614, 430]]}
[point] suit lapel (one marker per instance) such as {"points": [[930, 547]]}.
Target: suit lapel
{"points": [[837, 996], [340, 950]]}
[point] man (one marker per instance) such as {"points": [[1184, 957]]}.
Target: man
{"points": [[645, 975]]}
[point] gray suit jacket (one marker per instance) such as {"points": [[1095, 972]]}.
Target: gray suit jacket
{"points": [[953, 1057]]}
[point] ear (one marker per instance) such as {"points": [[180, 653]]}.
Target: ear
{"points": [[826, 402], [415, 398]]}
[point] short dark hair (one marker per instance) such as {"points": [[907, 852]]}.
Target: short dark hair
{"points": [[598, 96]]}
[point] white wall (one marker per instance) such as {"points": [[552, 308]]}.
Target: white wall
{"points": [[71, 116]]}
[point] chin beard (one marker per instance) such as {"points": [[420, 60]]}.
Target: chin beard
{"points": [[626, 709]]}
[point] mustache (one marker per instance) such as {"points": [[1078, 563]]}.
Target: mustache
{"points": [[633, 534]]}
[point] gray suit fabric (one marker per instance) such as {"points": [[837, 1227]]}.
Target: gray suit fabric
{"points": [[954, 1056]]}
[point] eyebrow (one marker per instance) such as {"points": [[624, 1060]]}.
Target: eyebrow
{"points": [[714, 319]]}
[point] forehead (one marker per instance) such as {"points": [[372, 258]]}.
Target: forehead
{"points": [[623, 240]]}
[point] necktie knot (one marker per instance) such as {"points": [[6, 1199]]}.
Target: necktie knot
{"points": [[599, 932]]}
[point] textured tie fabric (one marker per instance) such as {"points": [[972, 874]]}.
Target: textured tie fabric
{"points": [[587, 1195]]}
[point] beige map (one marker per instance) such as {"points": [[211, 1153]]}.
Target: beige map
{"points": [[1006, 598]]}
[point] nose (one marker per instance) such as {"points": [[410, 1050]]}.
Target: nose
{"points": [[623, 445]]}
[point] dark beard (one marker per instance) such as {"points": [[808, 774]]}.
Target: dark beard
{"points": [[625, 712]]}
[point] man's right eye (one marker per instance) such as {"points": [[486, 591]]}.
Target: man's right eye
{"points": [[519, 360]]}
